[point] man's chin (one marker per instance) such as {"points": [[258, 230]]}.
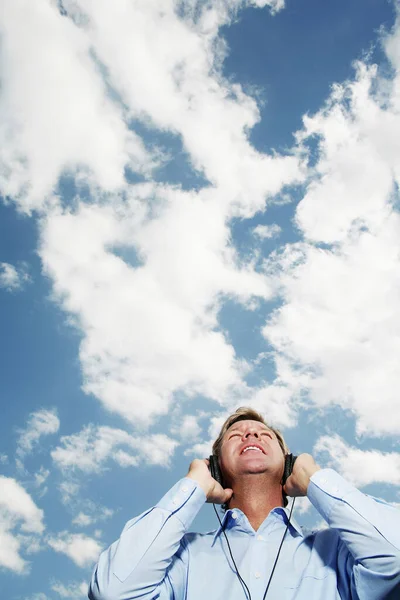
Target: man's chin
{"points": [[255, 470]]}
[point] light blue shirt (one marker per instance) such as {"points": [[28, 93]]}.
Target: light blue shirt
{"points": [[357, 556]]}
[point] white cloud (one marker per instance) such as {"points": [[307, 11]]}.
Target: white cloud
{"points": [[277, 402], [338, 328], [10, 557], [74, 590], [93, 514], [302, 505], [267, 231], [90, 449], [81, 549], [69, 491], [200, 450], [56, 114], [31, 544], [82, 520], [85, 512], [18, 504], [11, 278], [203, 449], [21, 524], [37, 102], [187, 428], [149, 331], [360, 467], [40, 478], [218, 12], [212, 116], [41, 423]]}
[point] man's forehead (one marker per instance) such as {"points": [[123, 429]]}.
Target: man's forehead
{"points": [[243, 423]]}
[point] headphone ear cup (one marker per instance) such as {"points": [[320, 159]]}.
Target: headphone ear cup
{"points": [[290, 459], [215, 469]]}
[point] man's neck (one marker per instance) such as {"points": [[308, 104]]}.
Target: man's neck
{"points": [[256, 497]]}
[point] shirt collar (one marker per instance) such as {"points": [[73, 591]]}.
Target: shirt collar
{"points": [[293, 523], [222, 526], [233, 517]]}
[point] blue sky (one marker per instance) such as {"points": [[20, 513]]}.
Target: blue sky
{"points": [[199, 210]]}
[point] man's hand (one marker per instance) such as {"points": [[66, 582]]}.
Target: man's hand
{"points": [[199, 471], [304, 468]]}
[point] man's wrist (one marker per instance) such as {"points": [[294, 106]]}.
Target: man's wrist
{"points": [[312, 470], [204, 486]]}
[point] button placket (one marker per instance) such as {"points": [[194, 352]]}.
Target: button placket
{"points": [[258, 564]]}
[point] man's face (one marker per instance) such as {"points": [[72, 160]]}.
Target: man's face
{"points": [[250, 447]]}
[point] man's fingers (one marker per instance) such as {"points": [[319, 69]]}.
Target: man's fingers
{"points": [[225, 496], [219, 495], [228, 494]]}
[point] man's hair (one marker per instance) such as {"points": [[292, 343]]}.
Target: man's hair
{"points": [[245, 413]]}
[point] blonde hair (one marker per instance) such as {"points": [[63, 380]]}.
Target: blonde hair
{"points": [[245, 413]]}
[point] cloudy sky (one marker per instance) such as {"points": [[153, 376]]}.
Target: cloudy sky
{"points": [[200, 209]]}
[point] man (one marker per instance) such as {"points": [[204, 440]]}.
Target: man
{"points": [[357, 557]]}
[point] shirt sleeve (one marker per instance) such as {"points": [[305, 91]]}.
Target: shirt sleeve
{"points": [[370, 530], [136, 565]]}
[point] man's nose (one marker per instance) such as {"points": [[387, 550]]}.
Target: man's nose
{"points": [[251, 432]]}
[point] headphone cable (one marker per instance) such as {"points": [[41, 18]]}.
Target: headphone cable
{"points": [[279, 549], [242, 581]]}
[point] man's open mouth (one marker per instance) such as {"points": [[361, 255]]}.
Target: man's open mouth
{"points": [[252, 449]]}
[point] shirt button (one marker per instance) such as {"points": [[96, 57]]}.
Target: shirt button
{"points": [[234, 515], [175, 500], [184, 488], [323, 480], [260, 538], [257, 575]]}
